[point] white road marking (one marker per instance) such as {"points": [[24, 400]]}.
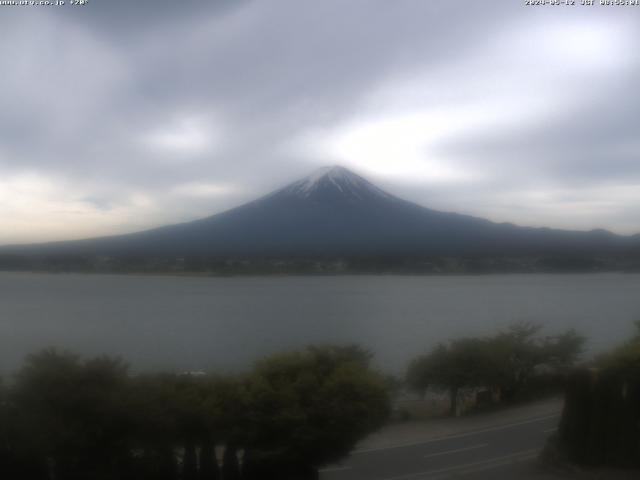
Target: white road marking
{"points": [[460, 435], [487, 464], [457, 450]]}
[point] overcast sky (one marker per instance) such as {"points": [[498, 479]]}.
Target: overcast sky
{"points": [[122, 115]]}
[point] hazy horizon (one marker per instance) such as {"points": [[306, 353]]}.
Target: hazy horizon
{"points": [[312, 177], [119, 117]]}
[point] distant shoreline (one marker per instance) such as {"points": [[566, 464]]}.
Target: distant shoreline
{"points": [[326, 265], [188, 274]]}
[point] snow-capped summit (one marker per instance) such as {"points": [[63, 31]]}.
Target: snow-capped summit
{"points": [[333, 182]]}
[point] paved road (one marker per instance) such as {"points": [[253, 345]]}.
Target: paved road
{"points": [[504, 451]]}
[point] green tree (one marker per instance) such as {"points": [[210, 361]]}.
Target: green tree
{"points": [[506, 361], [18, 456], [623, 360], [309, 408], [6, 454], [190, 394], [599, 424], [74, 415], [461, 363], [226, 418], [157, 427], [520, 351], [564, 350], [66, 418]]}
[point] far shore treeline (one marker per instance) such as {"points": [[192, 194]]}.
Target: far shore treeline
{"points": [[559, 262]]}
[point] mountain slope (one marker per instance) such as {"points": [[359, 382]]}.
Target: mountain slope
{"points": [[334, 212]]}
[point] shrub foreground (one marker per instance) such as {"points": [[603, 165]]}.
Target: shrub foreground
{"points": [[65, 418]]}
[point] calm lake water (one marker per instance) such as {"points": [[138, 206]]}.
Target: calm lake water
{"points": [[184, 323]]}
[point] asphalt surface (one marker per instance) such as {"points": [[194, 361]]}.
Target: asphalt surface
{"points": [[503, 451]]}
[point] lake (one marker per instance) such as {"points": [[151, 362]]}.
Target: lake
{"points": [[195, 323]]}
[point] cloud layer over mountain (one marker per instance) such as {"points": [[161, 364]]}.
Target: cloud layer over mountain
{"points": [[119, 116]]}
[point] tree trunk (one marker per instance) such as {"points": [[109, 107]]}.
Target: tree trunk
{"points": [[209, 469], [453, 410], [250, 470], [230, 466], [189, 465], [167, 468]]}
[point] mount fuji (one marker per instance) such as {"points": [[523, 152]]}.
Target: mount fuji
{"points": [[336, 213]]}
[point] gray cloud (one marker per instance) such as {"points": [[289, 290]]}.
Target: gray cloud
{"points": [[141, 113]]}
